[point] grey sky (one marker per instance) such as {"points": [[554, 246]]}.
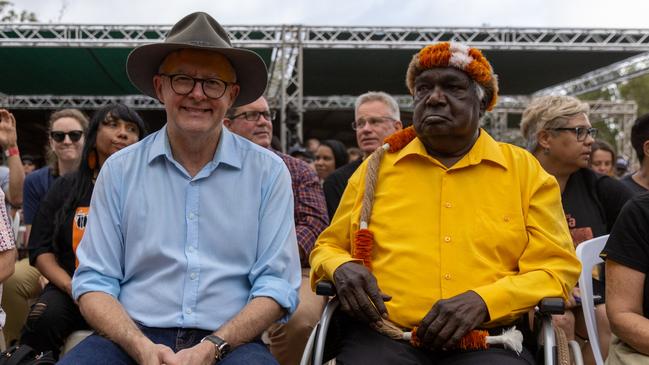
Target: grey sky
{"points": [[433, 13]]}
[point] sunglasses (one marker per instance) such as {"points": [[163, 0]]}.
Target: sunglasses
{"points": [[58, 136]]}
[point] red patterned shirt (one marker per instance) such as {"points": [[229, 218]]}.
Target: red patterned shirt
{"points": [[7, 241], [310, 209]]}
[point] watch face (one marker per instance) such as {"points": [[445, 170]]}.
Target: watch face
{"points": [[224, 348]]}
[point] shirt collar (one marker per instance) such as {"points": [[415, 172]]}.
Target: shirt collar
{"points": [[228, 151], [484, 148]]}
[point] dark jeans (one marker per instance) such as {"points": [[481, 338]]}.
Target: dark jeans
{"points": [[359, 345], [51, 320], [98, 350]]}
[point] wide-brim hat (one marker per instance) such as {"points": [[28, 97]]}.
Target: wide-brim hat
{"points": [[199, 31]]}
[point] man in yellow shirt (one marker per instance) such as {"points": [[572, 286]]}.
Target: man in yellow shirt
{"points": [[467, 232]]}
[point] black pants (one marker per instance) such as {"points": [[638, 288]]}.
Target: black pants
{"points": [[360, 345], [51, 320]]}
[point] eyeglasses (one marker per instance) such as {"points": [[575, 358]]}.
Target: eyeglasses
{"points": [[181, 84], [361, 122], [59, 136], [580, 132], [254, 115]]}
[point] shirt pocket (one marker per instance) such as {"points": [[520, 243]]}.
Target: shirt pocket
{"points": [[499, 236]]}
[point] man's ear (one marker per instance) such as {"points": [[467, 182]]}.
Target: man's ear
{"points": [[227, 122], [157, 85], [645, 149], [234, 93], [398, 125]]}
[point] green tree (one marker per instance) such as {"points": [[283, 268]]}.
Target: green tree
{"points": [[637, 89], [8, 14]]}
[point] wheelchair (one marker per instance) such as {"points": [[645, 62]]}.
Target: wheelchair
{"points": [[549, 349]]}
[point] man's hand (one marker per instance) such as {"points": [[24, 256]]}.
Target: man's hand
{"points": [[149, 353], [359, 294], [450, 319], [8, 136], [572, 299], [203, 353]]}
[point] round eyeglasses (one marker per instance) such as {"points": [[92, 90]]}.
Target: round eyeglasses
{"points": [[182, 84]]}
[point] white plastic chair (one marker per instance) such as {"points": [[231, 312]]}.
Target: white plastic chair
{"points": [[15, 225], [588, 253]]}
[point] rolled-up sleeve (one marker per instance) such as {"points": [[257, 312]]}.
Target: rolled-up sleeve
{"points": [[101, 251], [276, 273]]}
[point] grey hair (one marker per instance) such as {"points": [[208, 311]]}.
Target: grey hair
{"points": [[550, 111], [381, 96], [479, 91]]}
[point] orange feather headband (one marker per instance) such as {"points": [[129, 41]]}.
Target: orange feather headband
{"points": [[457, 55]]}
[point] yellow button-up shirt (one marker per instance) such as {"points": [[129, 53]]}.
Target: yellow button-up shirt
{"points": [[492, 223]]}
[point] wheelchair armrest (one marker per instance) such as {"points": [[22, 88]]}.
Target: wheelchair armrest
{"points": [[325, 288], [551, 305]]}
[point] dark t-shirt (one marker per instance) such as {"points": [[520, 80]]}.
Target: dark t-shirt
{"points": [[63, 245], [628, 244], [592, 203], [632, 185], [335, 184], [35, 187]]}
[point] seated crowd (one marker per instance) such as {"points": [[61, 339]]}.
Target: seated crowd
{"points": [[202, 242]]}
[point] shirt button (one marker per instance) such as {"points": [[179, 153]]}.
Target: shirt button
{"points": [[191, 216], [506, 218], [188, 311], [448, 204], [191, 249], [193, 276], [447, 239], [447, 276]]}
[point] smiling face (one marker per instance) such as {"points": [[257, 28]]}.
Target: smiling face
{"points": [[194, 115], [260, 131], [67, 150], [447, 111]]}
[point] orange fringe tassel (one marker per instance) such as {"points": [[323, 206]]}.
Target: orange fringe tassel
{"points": [[474, 340], [363, 241], [400, 139]]}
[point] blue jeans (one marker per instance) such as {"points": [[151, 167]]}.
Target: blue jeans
{"points": [[98, 350]]}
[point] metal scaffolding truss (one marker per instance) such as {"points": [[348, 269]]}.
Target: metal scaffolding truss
{"points": [[288, 42], [484, 38], [75, 101], [76, 35], [601, 78], [619, 114]]}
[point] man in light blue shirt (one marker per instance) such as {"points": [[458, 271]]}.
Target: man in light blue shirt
{"points": [[190, 249]]}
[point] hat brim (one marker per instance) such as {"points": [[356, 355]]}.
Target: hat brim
{"points": [[252, 76]]}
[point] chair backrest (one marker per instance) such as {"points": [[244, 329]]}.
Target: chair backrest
{"points": [[588, 253], [15, 225]]}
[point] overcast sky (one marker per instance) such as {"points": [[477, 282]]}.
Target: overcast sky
{"points": [[433, 13]]}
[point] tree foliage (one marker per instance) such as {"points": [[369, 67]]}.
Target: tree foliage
{"points": [[8, 14]]}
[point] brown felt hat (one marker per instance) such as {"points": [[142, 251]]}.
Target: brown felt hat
{"points": [[199, 31]]}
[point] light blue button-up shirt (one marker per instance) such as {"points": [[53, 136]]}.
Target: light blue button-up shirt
{"points": [[178, 251]]}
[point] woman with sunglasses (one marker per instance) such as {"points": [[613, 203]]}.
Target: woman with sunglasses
{"points": [[59, 226], [559, 134], [66, 129]]}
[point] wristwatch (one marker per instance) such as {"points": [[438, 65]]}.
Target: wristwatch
{"points": [[222, 347]]}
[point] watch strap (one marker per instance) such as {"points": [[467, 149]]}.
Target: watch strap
{"points": [[222, 347]]}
